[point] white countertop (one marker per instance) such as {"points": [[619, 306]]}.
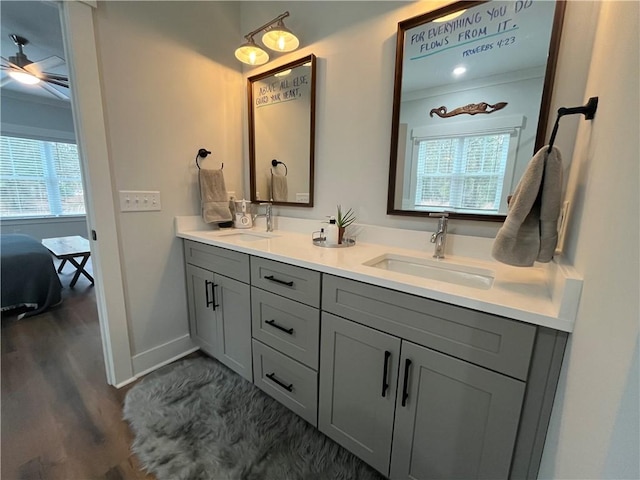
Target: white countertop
{"points": [[545, 295]]}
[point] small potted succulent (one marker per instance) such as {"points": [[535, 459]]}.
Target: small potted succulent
{"points": [[343, 220]]}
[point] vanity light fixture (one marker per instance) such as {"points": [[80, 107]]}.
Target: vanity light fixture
{"points": [[459, 71], [276, 37], [284, 73], [251, 54], [451, 16]]}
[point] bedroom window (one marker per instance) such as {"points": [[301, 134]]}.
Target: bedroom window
{"points": [[461, 173], [39, 178]]}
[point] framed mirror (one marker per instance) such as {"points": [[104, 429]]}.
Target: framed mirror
{"points": [[281, 133], [473, 84]]}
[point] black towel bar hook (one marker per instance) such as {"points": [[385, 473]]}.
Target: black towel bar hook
{"points": [[202, 153], [275, 163], [588, 110]]}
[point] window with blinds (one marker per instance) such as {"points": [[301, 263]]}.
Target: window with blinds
{"points": [[461, 173], [39, 178]]}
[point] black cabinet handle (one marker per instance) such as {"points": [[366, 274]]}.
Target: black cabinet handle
{"points": [[213, 292], [281, 282], [279, 327], [405, 387], [206, 292], [385, 385], [272, 377]]}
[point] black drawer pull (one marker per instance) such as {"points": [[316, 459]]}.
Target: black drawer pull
{"points": [[279, 327], [405, 387], [385, 385], [213, 294], [281, 282], [272, 377], [213, 291]]}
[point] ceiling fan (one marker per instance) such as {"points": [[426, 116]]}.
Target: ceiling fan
{"points": [[23, 70]]}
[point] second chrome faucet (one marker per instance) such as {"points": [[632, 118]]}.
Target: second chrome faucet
{"points": [[268, 214], [440, 235]]}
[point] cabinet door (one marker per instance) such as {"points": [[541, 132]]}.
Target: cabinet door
{"points": [[458, 420], [233, 309], [357, 401], [202, 317]]}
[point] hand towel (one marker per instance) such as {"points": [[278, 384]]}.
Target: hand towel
{"points": [[213, 197], [279, 189], [550, 204], [530, 232]]}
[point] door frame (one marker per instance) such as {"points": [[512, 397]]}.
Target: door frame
{"points": [[76, 18]]}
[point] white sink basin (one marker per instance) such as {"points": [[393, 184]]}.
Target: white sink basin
{"points": [[439, 270], [246, 236]]}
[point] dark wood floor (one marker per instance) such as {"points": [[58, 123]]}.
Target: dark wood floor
{"points": [[60, 419]]}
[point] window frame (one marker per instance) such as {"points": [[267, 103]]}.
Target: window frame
{"points": [[44, 135], [510, 124]]}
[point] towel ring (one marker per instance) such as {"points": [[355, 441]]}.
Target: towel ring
{"points": [[202, 153], [588, 110], [274, 163]]}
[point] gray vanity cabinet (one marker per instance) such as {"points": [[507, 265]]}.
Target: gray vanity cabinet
{"points": [[453, 419], [452, 406], [358, 378], [286, 325], [417, 388], [203, 321], [219, 308]]}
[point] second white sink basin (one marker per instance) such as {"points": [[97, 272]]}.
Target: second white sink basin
{"points": [[246, 236], [439, 270]]}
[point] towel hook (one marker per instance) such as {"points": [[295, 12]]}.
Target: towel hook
{"points": [[202, 153], [588, 110], [275, 163]]}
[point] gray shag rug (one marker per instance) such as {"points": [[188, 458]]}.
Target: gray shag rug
{"points": [[196, 419]]}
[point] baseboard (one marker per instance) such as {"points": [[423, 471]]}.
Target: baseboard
{"points": [[146, 362]]}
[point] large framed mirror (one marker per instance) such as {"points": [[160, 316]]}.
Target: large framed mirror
{"points": [[473, 84], [282, 133]]}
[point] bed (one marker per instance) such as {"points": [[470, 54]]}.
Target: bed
{"points": [[28, 275]]}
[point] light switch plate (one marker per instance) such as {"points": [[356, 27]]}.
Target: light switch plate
{"points": [[139, 201]]}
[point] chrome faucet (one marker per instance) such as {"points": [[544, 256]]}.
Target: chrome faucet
{"points": [[440, 236], [268, 214]]}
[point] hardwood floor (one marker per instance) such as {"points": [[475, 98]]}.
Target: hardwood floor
{"points": [[60, 419]]}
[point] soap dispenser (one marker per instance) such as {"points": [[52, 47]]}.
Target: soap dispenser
{"points": [[332, 231], [243, 218]]}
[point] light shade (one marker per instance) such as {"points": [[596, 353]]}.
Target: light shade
{"points": [[24, 77], [251, 54], [280, 39], [451, 16]]}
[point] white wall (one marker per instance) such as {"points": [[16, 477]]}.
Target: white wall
{"points": [[36, 116], [355, 45], [40, 228], [595, 426], [171, 86]]}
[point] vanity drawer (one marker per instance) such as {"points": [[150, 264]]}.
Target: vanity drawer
{"points": [[220, 260], [293, 282], [290, 327], [494, 342], [289, 382]]}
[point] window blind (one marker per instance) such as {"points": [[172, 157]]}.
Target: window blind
{"points": [[462, 172], [39, 178]]}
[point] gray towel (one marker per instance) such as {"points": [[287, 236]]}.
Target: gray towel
{"points": [[279, 189], [530, 230], [213, 197]]}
